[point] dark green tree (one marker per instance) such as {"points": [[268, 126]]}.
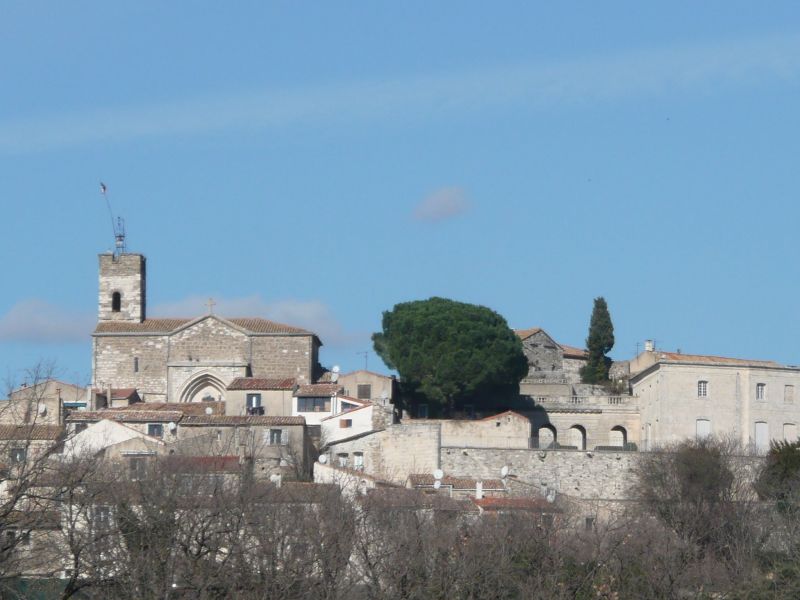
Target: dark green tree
{"points": [[779, 480], [599, 343], [451, 353]]}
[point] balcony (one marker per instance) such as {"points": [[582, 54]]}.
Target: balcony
{"points": [[578, 402]]}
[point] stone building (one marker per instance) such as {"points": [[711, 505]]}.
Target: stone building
{"points": [[186, 359], [553, 368], [688, 395]]}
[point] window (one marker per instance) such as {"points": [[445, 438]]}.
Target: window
{"points": [[762, 436], [422, 411], [761, 391], [135, 364], [137, 467], [155, 429], [278, 437], [80, 427], [788, 394], [702, 389], [313, 405], [116, 302], [364, 391], [358, 461], [18, 455], [342, 460], [588, 523], [345, 423], [101, 517], [703, 428], [254, 404]]}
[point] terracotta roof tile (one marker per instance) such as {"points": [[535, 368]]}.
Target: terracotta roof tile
{"points": [[573, 352], [129, 415], [458, 483], [525, 504], [252, 325], [30, 432], [186, 408], [242, 420], [720, 360], [254, 383], [204, 464], [318, 390], [122, 394], [526, 333]]}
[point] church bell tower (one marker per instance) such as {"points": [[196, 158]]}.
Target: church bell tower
{"points": [[122, 287]]}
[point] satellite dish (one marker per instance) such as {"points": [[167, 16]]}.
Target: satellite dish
{"points": [[438, 474], [335, 368], [437, 484], [504, 471], [323, 459], [172, 426], [42, 409], [551, 495], [209, 410]]}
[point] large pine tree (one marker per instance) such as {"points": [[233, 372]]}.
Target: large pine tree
{"points": [[599, 344]]}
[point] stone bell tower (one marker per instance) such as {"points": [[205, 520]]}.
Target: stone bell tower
{"points": [[123, 280]]}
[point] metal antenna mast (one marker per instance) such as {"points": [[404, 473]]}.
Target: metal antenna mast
{"points": [[118, 227], [366, 356]]}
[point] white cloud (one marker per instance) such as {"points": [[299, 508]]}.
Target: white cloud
{"points": [[442, 204], [313, 315], [35, 320], [586, 79]]}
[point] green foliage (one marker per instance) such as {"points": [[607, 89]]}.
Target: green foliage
{"points": [[780, 478], [599, 343], [451, 353]]}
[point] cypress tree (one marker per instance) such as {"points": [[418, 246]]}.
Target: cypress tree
{"points": [[599, 343]]}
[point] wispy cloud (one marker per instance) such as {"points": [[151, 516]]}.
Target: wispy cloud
{"points": [[313, 315], [442, 204], [590, 79], [38, 321]]}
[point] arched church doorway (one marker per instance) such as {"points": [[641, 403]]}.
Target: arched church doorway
{"points": [[204, 387]]}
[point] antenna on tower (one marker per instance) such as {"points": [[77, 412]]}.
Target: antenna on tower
{"points": [[117, 227]]}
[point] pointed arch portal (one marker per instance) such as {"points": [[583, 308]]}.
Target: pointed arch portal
{"points": [[203, 387]]}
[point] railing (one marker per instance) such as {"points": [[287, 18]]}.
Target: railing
{"points": [[585, 400]]}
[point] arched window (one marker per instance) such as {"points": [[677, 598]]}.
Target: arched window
{"points": [[577, 437], [548, 438], [618, 436], [116, 302]]}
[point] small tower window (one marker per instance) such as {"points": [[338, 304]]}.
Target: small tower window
{"points": [[116, 302], [135, 364]]}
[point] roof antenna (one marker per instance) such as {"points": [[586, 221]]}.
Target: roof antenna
{"points": [[118, 227]]}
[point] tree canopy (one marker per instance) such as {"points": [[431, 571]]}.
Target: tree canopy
{"points": [[451, 353], [599, 343]]}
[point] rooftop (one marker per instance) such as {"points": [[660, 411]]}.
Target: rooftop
{"points": [[254, 383]]}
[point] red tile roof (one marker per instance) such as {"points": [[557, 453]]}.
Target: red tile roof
{"points": [[133, 414], [457, 483], [573, 352], [526, 504], [186, 408], [243, 420], [721, 360], [123, 393], [318, 390], [509, 413], [254, 383], [204, 464], [526, 333], [30, 432], [166, 326]]}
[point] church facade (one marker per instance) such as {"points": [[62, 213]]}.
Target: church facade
{"points": [[186, 359]]}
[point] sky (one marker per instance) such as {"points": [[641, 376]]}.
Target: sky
{"points": [[318, 163]]}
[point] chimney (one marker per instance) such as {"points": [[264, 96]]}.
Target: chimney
{"points": [[649, 346], [478, 490]]}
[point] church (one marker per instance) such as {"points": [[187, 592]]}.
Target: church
{"points": [[188, 359]]}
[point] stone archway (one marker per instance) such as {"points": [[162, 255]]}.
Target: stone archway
{"points": [[203, 387]]}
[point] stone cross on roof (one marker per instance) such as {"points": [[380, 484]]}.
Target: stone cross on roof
{"points": [[211, 304]]}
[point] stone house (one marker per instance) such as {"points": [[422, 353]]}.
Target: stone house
{"points": [[684, 396], [368, 385], [552, 367], [261, 396]]}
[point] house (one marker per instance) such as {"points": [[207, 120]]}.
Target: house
{"points": [[369, 385], [684, 396], [552, 367], [457, 487], [261, 396]]}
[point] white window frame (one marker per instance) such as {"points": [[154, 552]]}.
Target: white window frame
{"points": [[761, 391], [702, 388]]}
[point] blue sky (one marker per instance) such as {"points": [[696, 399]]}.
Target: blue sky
{"points": [[318, 163]]}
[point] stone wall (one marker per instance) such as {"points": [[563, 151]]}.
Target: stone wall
{"points": [[284, 356], [114, 364], [394, 453], [207, 341], [594, 475], [506, 430], [124, 274]]}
